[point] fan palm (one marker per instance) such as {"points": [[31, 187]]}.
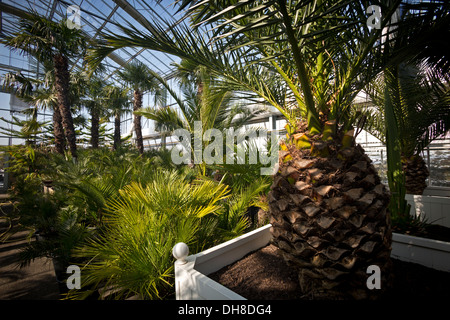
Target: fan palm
{"points": [[95, 105], [117, 102], [133, 255], [139, 77], [97, 177], [39, 93], [55, 42]]}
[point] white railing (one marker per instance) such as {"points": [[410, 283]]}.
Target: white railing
{"points": [[191, 281], [191, 272]]}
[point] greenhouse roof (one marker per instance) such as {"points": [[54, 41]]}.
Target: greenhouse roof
{"points": [[96, 17]]}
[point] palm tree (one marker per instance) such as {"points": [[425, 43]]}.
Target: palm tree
{"points": [[37, 92], [411, 96], [95, 105], [329, 221], [309, 59], [116, 100], [189, 73], [203, 101], [56, 43], [139, 77], [421, 103], [29, 130]]}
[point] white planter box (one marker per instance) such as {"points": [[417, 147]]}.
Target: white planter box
{"points": [[437, 191], [192, 283], [427, 252], [435, 209]]}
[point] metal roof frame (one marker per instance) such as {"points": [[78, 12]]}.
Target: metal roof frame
{"points": [[98, 17]]}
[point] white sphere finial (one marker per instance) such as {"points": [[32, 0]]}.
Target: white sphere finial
{"points": [[180, 251]]}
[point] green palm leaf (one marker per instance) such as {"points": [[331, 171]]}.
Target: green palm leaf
{"points": [[133, 255], [420, 98]]}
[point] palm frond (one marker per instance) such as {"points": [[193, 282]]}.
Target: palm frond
{"points": [[133, 255], [167, 118], [420, 98]]}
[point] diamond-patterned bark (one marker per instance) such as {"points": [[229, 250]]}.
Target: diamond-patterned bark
{"points": [[330, 219]]}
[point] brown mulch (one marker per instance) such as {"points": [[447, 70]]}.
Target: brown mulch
{"points": [[432, 231], [260, 275], [263, 275]]}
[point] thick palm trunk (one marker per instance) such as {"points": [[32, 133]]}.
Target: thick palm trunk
{"points": [[137, 121], [116, 131], [58, 131], [95, 125], [62, 78], [416, 174], [330, 219]]}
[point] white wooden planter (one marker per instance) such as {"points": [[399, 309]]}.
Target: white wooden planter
{"points": [[437, 191], [435, 209], [192, 283], [427, 252]]}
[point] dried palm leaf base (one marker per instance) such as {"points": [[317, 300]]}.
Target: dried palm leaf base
{"points": [[330, 220]]}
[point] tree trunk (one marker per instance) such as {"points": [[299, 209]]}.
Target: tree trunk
{"points": [[95, 124], [330, 219], [58, 131], [62, 78], [137, 121], [416, 174], [116, 131]]}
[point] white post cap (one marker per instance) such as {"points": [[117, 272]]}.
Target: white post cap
{"points": [[180, 251]]}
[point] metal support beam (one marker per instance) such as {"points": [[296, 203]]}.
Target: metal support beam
{"points": [[128, 8], [13, 10], [52, 11]]}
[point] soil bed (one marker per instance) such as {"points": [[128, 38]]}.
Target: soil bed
{"points": [[431, 231], [263, 275]]}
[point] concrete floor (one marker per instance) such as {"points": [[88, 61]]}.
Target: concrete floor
{"points": [[34, 282]]}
